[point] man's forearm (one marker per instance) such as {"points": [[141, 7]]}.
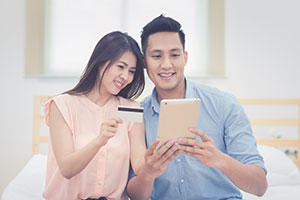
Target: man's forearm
{"points": [[140, 187], [250, 178]]}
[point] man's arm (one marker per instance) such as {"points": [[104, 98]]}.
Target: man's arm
{"points": [[248, 177], [156, 162]]}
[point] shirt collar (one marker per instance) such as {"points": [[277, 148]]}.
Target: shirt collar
{"points": [[188, 95], [154, 103]]}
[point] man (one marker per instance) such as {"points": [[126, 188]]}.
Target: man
{"points": [[223, 157]]}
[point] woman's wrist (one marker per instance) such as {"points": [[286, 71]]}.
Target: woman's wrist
{"points": [[97, 142]]}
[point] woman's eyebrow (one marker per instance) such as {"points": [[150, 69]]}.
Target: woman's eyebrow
{"points": [[123, 62]]}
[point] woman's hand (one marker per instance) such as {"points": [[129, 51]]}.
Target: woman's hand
{"points": [[108, 130]]}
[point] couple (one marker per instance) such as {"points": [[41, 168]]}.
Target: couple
{"points": [[91, 151]]}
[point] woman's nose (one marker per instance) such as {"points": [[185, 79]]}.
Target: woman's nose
{"points": [[124, 75]]}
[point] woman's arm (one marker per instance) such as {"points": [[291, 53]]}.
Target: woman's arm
{"points": [[71, 162], [137, 146]]}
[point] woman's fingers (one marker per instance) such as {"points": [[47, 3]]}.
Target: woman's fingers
{"points": [[108, 129]]}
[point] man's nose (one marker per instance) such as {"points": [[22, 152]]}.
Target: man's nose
{"points": [[166, 63]]}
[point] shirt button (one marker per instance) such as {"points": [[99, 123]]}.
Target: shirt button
{"points": [[178, 160], [99, 183], [182, 181]]}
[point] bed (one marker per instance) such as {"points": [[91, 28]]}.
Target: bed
{"points": [[283, 165], [30, 181]]}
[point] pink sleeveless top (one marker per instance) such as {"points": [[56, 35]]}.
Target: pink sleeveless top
{"points": [[107, 173]]}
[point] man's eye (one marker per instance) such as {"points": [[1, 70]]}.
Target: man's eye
{"points": [[175, 55], [156, 56]]}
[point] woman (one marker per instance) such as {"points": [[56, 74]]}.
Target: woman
{"points": [[90, 148]]}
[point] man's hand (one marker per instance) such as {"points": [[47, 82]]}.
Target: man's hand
{"points": [[205, 150], [157, 160]]}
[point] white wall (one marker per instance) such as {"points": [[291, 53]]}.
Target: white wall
{"points": [[262, 46], [262, 59], [17, 92]]}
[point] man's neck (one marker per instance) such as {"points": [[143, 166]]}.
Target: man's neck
{"points": [[177, 93]]}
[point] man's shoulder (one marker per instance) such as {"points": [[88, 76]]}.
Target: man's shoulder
{"points": [[200, 88], [210, 92], [146, 101]]}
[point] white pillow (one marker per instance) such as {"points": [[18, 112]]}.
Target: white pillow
{"points": [[279, 179], [30, 182], [278, 162]]}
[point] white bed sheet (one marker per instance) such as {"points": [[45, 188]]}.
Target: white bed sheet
{"points": [[281, 192], [283, 178], [30, 182]]}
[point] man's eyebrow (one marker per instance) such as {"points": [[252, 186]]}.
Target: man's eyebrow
{"points": [[176, 49], [158, 50]]}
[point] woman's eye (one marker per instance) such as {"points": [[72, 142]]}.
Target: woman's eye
{"points": [[132, 71], [121, 66]]}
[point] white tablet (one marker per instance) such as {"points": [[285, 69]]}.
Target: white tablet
{"points": [[176, 116]]}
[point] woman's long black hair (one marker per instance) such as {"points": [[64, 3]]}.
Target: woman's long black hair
{"points": [[109, 49]]}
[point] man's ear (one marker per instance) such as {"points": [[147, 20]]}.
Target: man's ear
{"points": [[186, 57]]}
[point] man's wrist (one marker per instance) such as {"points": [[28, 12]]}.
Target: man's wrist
{"points": [[146, 175], [226, 163]]}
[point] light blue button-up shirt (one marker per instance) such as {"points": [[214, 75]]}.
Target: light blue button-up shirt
{"points": [[223, 119]]}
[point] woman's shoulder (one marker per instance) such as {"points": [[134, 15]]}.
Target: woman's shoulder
{"points": [[128, 102], [66, 97], [67, 100]]}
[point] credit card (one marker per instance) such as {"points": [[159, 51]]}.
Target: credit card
{"points": [[131, 114]]}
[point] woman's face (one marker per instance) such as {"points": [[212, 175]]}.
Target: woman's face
{"points": [[118, 75]]}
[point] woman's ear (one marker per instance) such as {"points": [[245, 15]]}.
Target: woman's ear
{"points": [[144, 61]]}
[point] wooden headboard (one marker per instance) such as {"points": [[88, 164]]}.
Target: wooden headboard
{"points": [[277, 122], [38, 119]]}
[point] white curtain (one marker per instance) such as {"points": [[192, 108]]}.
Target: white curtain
{"points": [[73, 27]]}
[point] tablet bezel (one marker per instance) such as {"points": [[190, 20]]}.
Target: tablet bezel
{"points": [[176, 116]]}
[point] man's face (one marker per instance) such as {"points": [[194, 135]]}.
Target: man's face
{"points": [[165, 60]]}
